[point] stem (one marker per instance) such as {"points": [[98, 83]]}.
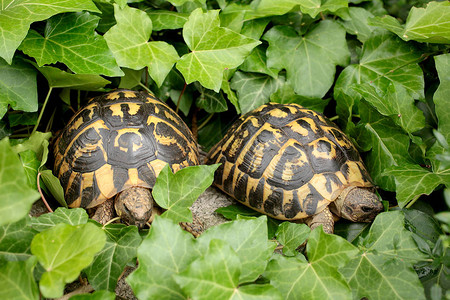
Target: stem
{"points": [[110, 221], [179, 98], [205, 122], [42, 195], [145, 87], [333, 118], [42, 110]]}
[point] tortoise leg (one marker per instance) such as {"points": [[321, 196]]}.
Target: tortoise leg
{"points": [[324, 218], [104, 212]]}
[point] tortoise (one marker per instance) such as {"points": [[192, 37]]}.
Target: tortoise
{"points": [[112, 150], [292, 163]]}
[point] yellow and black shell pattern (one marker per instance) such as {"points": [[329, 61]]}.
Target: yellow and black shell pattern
{"points": [[286, 161], [119, 140]]}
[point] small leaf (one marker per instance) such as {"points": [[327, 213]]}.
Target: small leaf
{"points": [[167, 250], [440, 98], [254, 89], [71, 39], [15, 240], [428, 25], [211, 102], [17, 280], [74, 216], [310, 61], [135, 27], [18, 86], [131, 79], [120, 248], [248, 237], [16, 18], [291, 236], [257, 62], [54, 186], [30, 165], [17, 197], [177, 192], [286, 94], [357, 24], [64, 250], [214, 49]]}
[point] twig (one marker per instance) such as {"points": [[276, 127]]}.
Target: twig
{"points": [[42, 195], [179, 98], [42, 110]]}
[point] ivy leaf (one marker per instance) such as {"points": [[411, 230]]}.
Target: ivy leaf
{"points": [[286, 94], [295, 278], [310, 61], [216, 275], [64, 250], [428, 25], [390, 250], [395, 103], [389, 145], [213, 49], [412, 181], [254, 89], [257, 62], [177, 192], [385, 60], [291, 236], [131, 79], [248, 237], [166, 19], [211, 102], [15, 240], [167, 250], [54, 186], [440, 98], [17, 280], [97, 295], [71, 39], [17, 196], [57, 78], [357, 24], [121, 247], [16, 17], [128, 40], [74, 216], [30, 165], [18, 86]]}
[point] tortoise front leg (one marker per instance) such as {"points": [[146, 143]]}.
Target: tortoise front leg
{"points": [[105, 212], [324, 218]]}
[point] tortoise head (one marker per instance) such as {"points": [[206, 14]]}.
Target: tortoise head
{"points": [[358, 204], [134, 206]]}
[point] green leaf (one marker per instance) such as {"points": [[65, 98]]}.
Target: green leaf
{"points": [[128, 40], [18, 86], [37, 142], [54, 186], [388, 142], [16, 17], [428, 25], [120, 248], [413, 181], [440, 98], [167, 250], [166, 19], [216, 274], [213, 49], [15, 240], [131, 79], [310, 61], [64, 250], [297, 279], [97, 295], [177, 192], [389, 252], [286, 94], [71, 39], [396, 103], [57, 78], [248, 237], [74, 216], [253, 89], [17, 197], [385, 60], [17, 280], [23, 118], [257, 62], [211, 102], [357, 24], [291, 236], [30, 165]]}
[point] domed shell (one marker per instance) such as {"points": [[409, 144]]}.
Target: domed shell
{"points": [[119, 140], [286, 161]]}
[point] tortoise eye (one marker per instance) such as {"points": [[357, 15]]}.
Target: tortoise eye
{"points": [[366, 208]]}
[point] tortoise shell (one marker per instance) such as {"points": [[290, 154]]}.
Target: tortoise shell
{"points": [[286, 161], [119, 140]]}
